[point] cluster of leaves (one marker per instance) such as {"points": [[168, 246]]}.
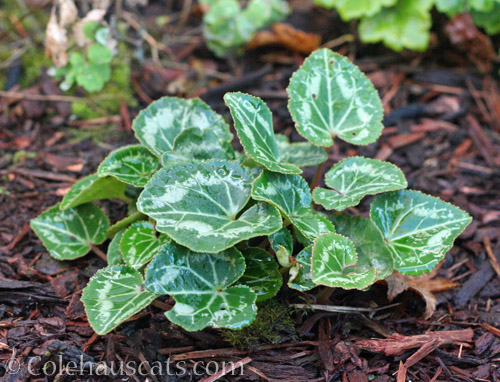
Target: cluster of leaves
{"points": [[202, 215], [90, 69], [227, 26], [403, 24]]}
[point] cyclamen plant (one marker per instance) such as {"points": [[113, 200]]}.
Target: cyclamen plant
{"points": [[204, 214]]}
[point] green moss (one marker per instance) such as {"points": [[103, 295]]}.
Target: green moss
{"points": [[273, 325], [33, 62], [95, 135]]}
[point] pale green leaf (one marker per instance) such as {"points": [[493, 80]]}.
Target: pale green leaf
{"points": [[114, 254], [405, 25], [134, 165], [300, 154], [300, 274], [453, 7], [92, 188], [330, 96], [419, 229], [370, 245], [261, 274], [201, 286], [355, 9], [489, 20], [195, 143], [70, 233], [335, 264], [160, 123], [139, 244], [353, 178], [113, 295], [291, 194], [198, 204], [253, 122]]}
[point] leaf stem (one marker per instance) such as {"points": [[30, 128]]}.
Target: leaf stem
{"points": [[320, 170], [118, 226]]}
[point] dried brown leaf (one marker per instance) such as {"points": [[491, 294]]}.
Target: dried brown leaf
{"points": [[56, 41]]}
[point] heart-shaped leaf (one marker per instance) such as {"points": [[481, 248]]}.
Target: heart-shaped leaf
{"points": [[198, 204], [261, 274], [300, 274], [330, 96], [335, 264], [134, 165], [355, 9], [113, 295], [160, 123], [300, 154], [70, 233], [92, 188], [195, 143], [418, 229], [114, 254], [291, 194], [370, 245], [139, 244], [253, 122], [201, 286], [353, 178]]}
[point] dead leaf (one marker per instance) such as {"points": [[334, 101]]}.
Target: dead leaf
{"points": [[425, 285], [101, 4], [56, 41], [284, 34], [67, 13]]}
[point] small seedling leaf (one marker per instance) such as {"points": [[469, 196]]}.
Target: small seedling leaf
{"points": [[114, 254], [300, 274], [300, 154], [353, 178]]}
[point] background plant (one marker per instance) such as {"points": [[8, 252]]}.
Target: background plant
{"points": [[403, 24], [211, 227]]}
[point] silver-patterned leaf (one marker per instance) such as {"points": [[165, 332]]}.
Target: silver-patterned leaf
{"points": [[312, 225], [301, 154], [253, 122], [201, 286], [261, 273], [418, 229], [195, 143], [160, 123], [335, 264], [139, 244], [133, 164], [113, 295], [114, 254], [353, 178], [70, 233], [330, 96], [198, 204], [370, 245], [92, 188]]}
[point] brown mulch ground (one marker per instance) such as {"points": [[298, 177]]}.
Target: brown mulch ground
{"points": [[442, 129]]}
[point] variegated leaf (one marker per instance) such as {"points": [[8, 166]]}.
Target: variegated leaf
{"points": [[160, 123], [92, 188], [139, 244], [114, 254], [201, 286], [198, 204], [113, 295], [335, 263], [261, 274], [418, 229], [330, 96], [300, 154], [282, 245], [291, 194], [253, 122], [353, 178], [194, 143], [134, 165], [300, 274], [70, 233], [370, 245]]}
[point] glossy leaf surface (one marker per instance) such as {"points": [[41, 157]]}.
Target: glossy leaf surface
{"points": [[139, 244]]}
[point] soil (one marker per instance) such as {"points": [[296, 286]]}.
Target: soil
{"points": [[442, 128]]}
